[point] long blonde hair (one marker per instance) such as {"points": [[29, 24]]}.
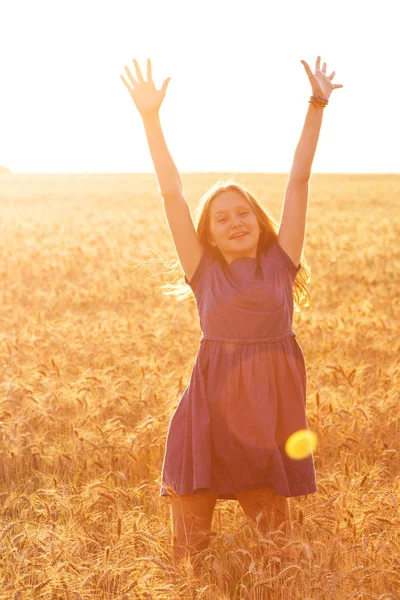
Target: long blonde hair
{"points": [[268, 234]]}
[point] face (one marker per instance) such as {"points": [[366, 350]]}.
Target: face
{"points": [[230, 215]]}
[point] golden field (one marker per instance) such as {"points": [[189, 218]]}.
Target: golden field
{"points": [[94, 359]]}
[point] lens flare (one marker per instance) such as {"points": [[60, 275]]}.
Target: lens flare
{"points": [[301, 444]]}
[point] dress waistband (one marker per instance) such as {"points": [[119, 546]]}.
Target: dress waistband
{"points": [[265, 340]]}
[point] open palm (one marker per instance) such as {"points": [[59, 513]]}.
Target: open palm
{"points": [[144, 94], [321, 84]]}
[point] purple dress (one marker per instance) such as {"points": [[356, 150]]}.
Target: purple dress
{"points": [[247, 391]]}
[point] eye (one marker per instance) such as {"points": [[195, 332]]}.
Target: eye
{"points": [[221, 220], [244, 213]]}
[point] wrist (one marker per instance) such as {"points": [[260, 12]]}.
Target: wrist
{"points": [[318, 101], [316, 107], [150, 117]]}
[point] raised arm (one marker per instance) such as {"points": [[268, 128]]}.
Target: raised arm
{"points": [[294, 212], [148, 101]]}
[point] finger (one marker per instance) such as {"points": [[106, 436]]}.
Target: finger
{"points": [[317, 63], [337, 85], [305, 65], [149, 72], [138, 71], [126, 84], [324, 67], [332, 75], [307, 68], [165, 85], [131, 77]]}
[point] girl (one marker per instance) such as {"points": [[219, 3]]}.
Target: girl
{"points": [[247, 392]]}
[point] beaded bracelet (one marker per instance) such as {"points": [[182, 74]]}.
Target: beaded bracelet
{"points": [[318, 101]]}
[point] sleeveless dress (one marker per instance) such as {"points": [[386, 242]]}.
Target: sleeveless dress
{"points": [[247, 390]]}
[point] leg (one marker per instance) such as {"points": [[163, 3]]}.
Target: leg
{"points": [[191, 519], [269, 511], [273, 511]]}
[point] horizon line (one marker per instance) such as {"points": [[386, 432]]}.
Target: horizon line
{"points": [[60, 173]]}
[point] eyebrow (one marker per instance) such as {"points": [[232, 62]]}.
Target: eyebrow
{"points": [[224, 211]]}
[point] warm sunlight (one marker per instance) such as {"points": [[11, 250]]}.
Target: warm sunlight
{"points": [[238, 93], [199, 258]]}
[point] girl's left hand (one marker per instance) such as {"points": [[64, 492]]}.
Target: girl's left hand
{"points": [[321, 84]]}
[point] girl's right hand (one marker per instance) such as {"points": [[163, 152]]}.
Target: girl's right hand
{"points": [[144, 94]]}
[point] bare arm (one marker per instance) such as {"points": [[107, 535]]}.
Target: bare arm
{"points": [[176, 209], [294, 212], [168, 176], [148, 101], [307, 145]]}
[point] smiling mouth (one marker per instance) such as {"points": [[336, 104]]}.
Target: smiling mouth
{"points": [[238, 235]]}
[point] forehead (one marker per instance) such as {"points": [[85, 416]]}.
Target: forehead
{"points": [[227, 200]]}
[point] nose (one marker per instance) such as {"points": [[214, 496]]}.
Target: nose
{"points": [[236, 221]]}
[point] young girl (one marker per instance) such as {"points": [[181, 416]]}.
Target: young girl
{"points": [[247, 392]]}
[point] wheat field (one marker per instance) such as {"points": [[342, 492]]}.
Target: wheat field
{"points": [[94, 359]]}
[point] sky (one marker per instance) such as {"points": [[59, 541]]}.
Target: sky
{"points": [[238, 94]]}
